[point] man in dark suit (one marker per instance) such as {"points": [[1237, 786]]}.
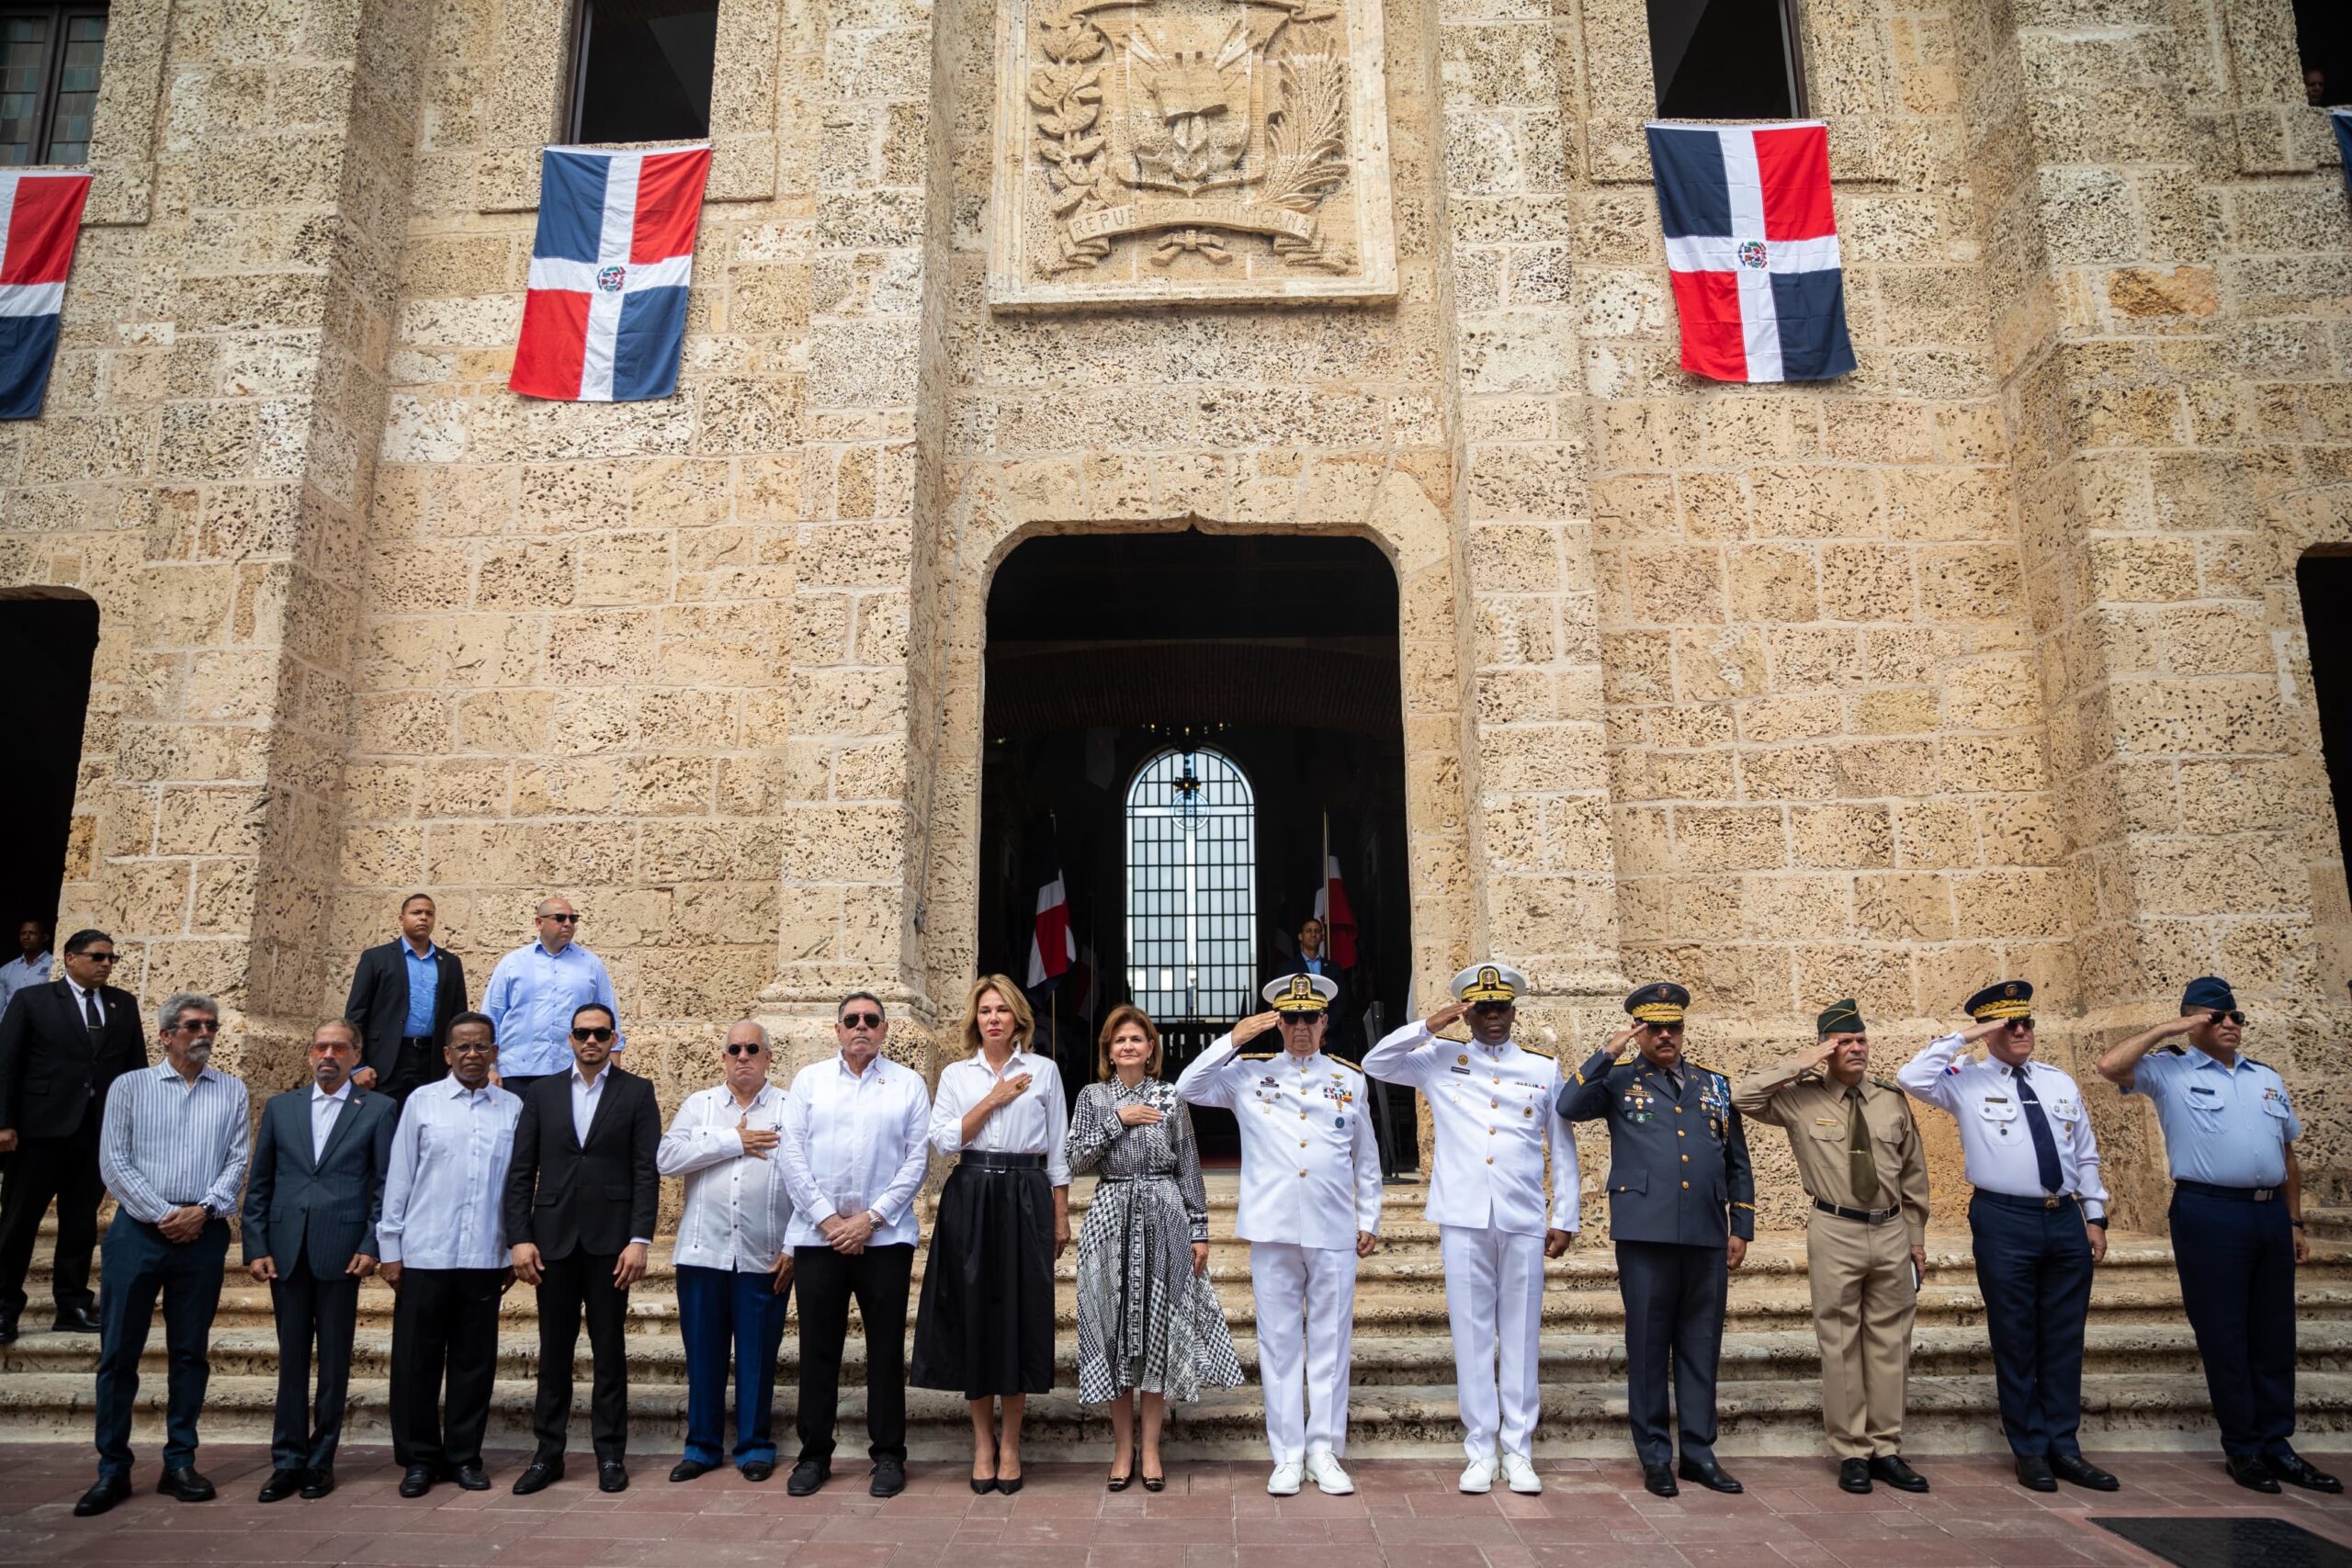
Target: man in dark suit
{"points": [[403, 995], [313, 1192], [581, 1202], [61, 1046]]}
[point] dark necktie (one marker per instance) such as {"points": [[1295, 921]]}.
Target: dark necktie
{"points": [[1864, 1162], [2045, 1148], [95, 1020]]}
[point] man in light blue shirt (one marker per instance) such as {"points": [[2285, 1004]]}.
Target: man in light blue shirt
{"points": [[534, 992], [30, 968], [2237, 1224]]}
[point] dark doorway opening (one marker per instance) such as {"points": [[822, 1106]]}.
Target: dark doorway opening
{"points": [[1115, 659], [46, 646]]}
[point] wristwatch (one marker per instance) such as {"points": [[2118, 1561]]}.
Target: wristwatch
{"points": [[2098, 1220], [873, 1218]]}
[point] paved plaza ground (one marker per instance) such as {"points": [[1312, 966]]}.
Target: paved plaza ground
{"points": [[1405, 1514]]}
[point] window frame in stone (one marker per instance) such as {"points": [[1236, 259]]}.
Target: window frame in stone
{"points": [[580, 47], [1791, 32], [1193, 919], [60, 14]]}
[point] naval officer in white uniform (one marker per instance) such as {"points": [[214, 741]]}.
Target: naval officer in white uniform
{"points": [[1491, 1103], [1310, 1207]]}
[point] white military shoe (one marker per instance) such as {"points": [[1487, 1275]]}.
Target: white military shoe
{"points": [[1322, 1465], [1478, 1476], [1284, 1481], [1519, 1471]]}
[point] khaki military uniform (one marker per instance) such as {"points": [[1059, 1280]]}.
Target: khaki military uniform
{"points": [[1863, 1297]]}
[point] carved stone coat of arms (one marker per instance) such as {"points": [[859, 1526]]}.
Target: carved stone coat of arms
{"points": [[1190, 150]]}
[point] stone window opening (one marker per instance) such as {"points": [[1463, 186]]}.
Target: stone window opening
{"points": [[1726, 58], [49, 59], [1192, 887], [641, 70], [2324, 48], [49, 638]]}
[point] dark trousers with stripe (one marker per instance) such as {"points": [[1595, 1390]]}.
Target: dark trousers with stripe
{"points": [[2237, 1279], [1674, 1332], [2034, 1267]]}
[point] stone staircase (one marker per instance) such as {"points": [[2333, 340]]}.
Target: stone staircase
{"points": [[2142, 1387]]}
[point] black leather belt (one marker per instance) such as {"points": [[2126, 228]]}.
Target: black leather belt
{"points": [[1868, 1216], [416, 1040], [986, 1161], [2236, 1194], [2006, 1200]]}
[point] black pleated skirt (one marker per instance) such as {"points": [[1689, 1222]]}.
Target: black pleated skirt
{"points": [[986, 1323]]}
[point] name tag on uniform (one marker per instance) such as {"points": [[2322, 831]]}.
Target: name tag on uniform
{"points": [[1464, 1071], [1826, 1122]]}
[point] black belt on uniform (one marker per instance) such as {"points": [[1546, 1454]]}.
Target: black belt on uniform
{"points": [[1868, 1216], [2238, 1194], [986, 1161], [2006, 1200]]}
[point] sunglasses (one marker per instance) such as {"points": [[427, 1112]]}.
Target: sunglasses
{"points": [[598, 1035], [740, 1048], [96, 957], [860, 1020], [1301, 1018], [562, 919], [2021, 1025], [1665, 1028], [1488, 1009], [200, 1026], [2232, 1015]]}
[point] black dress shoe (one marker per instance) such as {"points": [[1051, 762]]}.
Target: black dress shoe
{"points": [[758, 1470], [2076, 1470], [187, 1486], [688, 1469], [111, 1490], [1853, 1475], [75, 1320], [538, 1475], [612, 1475], [889, 1478], [1891, 1469], [417, 1480], [1660, 1481], [281, 1484], [472, 1478], [2250, 1472], [317, 1484], [2295, 1471], [807, 1475], [1709, 1474], [2033, 1473]]}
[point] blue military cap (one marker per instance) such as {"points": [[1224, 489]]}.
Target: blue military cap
{"points": [[2003, 998], [2207, 993], [1661, 1003]]}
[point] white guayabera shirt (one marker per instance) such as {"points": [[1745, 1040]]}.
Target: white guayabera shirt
{"points": [[737, 1208]]}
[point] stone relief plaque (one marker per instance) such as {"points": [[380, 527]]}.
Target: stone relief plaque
{"points": [[1190, 150]]}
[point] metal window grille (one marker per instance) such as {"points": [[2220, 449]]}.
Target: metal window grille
{"points": [[1192, 887]]}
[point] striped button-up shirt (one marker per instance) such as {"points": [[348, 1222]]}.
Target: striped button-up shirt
{"points": [[530, 1001], [447, 1180], [167, 1143], [737, 1207]]}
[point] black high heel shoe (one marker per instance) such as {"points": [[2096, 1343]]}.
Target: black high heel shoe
{"points": [[983, 1484], [1008, 1486], [1120, 1482], [1155, 1483]]}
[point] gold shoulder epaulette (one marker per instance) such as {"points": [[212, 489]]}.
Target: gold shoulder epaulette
{"points": [[1539, 1050], [1343, 1061]]}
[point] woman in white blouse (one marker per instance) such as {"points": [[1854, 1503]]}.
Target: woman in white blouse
{"points": [[985, 1326]]}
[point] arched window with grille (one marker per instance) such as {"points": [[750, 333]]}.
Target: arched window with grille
{"points": [[1192, 887]]}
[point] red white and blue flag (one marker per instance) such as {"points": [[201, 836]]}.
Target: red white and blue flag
{"points": [[41, 217], [1052, 948], [606, 317], [1752, 245], [1338, 916]]}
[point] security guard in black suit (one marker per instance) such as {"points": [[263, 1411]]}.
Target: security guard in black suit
{"points": [[1682, 1211]]}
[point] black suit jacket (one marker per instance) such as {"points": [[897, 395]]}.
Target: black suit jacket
{"points": [[378, 1006], [50, 1076], [325, 1210], [563, 1196]]}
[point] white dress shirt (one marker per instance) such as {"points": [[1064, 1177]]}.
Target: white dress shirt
{"points": [[1492, 1110], [83, 997], [444, 1194], [586, 1095], [324, 1108], [1995, 1147], [1310, 1163], [853, 1142], [21, 973], [1036, 1123], [737, 1207]]}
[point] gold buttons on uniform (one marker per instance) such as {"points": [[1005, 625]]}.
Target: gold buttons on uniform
{"points": [[1686, 1186], [1686, 1160], [1490, 1159], [1302, 1173], [1677, 1132]]}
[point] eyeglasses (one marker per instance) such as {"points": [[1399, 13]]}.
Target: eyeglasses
{"points": [[598, 1035], [562, 919], [470, 1050], [200, 1026], [860, 1020], [744, 1048], [2232, 1015], [96, 957]]}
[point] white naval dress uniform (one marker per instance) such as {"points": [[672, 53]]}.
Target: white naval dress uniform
{"points": [[1310, 1180], [1492, 1108]]}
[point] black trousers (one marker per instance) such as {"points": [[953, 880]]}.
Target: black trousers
{"points": [[419, 1063], [2034, 1268], [569, 1288], [444, 1327], [878, 1278], [140, 1266], [1674, 1326], [311, 1310], [2237, 1281], [43, 1170]]}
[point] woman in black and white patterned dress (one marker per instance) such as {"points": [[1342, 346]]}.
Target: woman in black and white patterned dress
{"points": [[1148, 1317]]}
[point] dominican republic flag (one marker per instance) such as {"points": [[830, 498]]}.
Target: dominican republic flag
{"points": [[2342, 120], [1052, 948], [1752, 245], [40, 216], [1339, 917], [606, 318]]}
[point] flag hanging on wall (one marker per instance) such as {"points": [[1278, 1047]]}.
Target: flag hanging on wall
{"points": [[606, 317], [1052, 948], [1339, 917], [41, 217], [1752, 246]]}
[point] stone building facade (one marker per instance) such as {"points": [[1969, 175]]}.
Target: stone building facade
{"points": [[1985, 661]]}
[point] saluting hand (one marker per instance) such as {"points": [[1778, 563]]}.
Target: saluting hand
{"points": [[1257, 1024], [1617, 1043], [1452, 1014]]}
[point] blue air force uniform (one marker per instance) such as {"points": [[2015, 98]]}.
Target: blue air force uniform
{"points": [[1679, 1185], [2227, 1132]]}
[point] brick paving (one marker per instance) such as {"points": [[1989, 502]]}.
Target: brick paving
{"points": [[1405, 1514]]}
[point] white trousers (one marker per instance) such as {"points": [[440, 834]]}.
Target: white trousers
{"points": [[1306, 1323], [1494, 1303]]}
